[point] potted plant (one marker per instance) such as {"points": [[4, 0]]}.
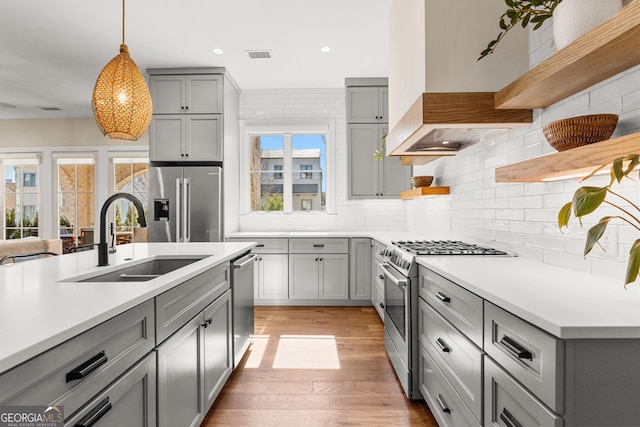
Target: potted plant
{"points": [[587, 199], [572, 19]]}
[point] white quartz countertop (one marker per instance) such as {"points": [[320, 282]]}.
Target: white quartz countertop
{"points": [[564, 302], [382, 236], [40, 308]]}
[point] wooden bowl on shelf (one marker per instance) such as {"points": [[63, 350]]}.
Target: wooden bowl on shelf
{"points": [[575, 132], [421, 181]]}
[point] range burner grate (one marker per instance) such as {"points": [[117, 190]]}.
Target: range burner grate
{"points": [[444, 247]]}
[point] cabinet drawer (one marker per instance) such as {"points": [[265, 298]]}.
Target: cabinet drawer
{"points": [[444, 402], [265, 246], [508, 403], [378, 248], [177, 306], [319, 246], [378, 300], [531, 355], [128, 402], [458, 358], [95, 358], [459, 306]]}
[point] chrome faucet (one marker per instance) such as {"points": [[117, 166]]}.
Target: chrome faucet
{"points": [[103, 247]]}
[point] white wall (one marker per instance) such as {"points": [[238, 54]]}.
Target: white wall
{"points": [[297, 104], [521, 217]]}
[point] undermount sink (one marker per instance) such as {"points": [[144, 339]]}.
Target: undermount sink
{"points": [[142, 272]]}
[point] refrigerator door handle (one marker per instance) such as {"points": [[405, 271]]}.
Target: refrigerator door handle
{"points": [[178, 206], [187, 211]]}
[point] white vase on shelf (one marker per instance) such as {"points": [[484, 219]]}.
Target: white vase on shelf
{"points": [[573, 18]]}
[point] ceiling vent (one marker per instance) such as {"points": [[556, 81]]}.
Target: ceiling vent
{"points": [[50, 108], [259, 54]]}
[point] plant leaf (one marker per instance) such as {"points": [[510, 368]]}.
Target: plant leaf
{"points": [[564, 215], [595, 233], [635, 161], [616, 169], [595, 171], [587, 200], [633, 266]]}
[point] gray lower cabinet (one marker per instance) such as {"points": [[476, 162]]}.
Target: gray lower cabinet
{"points": [[130, 401], [193, 365], [272, 277], [360, 268], [319, 276]]}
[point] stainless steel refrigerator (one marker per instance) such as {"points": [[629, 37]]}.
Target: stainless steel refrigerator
{"points": [[185, 204]]}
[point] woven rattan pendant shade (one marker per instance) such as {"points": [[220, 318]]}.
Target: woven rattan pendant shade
{"points": [[121, 100]]}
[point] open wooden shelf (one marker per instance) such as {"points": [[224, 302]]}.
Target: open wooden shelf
{"points": [[570, 163], [603, 52], [424, 192]]}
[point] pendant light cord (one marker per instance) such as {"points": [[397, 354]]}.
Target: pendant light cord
{"points": [[122, 21]]}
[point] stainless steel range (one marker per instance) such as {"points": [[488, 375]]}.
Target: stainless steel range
{"points": [[401, 300]]}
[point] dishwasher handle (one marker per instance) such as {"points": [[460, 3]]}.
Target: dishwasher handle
{"points": [[244, 261]]}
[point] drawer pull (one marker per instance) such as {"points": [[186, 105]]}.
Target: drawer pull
{"points": [[87, 367], [382, 305], [260, 245], [381, 277], [95, 414], [318, 245], [442, 404], [442, 297], [443, 345], [515, 349], [508, 419]]}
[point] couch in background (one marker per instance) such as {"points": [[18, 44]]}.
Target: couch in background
{"points": [[29, 245]]}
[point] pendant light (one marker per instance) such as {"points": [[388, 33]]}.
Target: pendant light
{"points": [[121, 100]]}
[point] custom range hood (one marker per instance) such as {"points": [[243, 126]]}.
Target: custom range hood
{"points": [[441, 123]]}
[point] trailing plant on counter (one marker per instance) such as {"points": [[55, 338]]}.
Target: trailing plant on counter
{"points": [[587, 199], [524, 12]]}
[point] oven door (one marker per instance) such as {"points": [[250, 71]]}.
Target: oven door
{"points": [[396, 320]]}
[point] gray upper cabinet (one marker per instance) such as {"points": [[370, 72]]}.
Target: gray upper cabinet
{"points": [[367, 123], [367, 104], [370, 177], [186, 94]]}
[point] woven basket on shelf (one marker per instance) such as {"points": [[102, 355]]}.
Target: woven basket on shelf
{"points": [[421, 181], [575, 132]]}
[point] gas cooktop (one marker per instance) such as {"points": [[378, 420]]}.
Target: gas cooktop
{"points": [[444, 247]]}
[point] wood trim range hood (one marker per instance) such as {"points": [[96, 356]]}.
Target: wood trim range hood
{"points": [[440, 123]]}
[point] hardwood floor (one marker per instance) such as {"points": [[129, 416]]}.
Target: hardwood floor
{"points": [[316, 366]]}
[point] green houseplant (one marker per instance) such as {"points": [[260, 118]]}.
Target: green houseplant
{"points": [[587, 199], [523, 12]]}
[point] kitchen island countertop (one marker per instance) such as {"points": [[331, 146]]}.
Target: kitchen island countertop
{"points": [[40, 308]]}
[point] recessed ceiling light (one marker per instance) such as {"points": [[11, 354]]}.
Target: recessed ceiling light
{"points": [[218, 51], [325, 49], [446, 142]]}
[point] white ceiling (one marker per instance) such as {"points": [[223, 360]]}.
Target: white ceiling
{"points": [[51, 51]]}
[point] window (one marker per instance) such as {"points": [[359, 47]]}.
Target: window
{"points": [[277, 175], [20, 198], [306, 175], [131, 175], [75, 199]]}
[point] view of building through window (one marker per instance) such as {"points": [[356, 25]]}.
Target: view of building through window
{"points": [[21, 198], [288, 172], [130, 176]]}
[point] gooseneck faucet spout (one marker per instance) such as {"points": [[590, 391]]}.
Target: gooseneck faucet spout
{"points": [[103, 247]]}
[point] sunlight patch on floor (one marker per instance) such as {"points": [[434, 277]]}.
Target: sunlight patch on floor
{"points": [[306, 352], [256, 351]]}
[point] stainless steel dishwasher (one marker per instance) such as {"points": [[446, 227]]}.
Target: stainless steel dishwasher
{"points": [[242, 301]]}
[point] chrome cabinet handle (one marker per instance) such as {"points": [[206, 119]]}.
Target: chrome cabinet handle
{"points": [[508, 419], [442, 297], [95, 414], [318, 246], [442, 404], [515, 349], [443, 346], [87, 367]]}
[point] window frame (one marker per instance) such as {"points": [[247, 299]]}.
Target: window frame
{"points": [[22, 159], [129, 158], [291, 127]]}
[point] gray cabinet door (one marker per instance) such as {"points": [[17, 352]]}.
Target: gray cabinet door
{"points": [[360, 282], [180, 373], [167, 134], [393, 178], [204, 93], [203, 138], [333, 282], [218, 347], [273, 277], [362, 105], [303, 276], [383, 104], [168, 94], [130, 401], [362, 167]]}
